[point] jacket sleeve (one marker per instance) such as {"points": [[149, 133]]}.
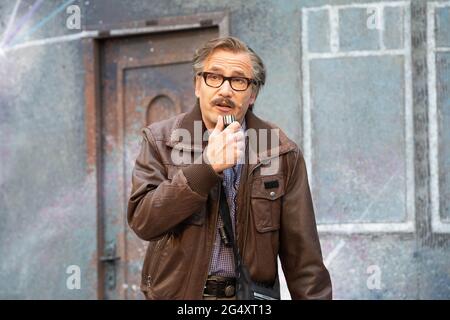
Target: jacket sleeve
{"points": [[157, 204], [300, 252]]}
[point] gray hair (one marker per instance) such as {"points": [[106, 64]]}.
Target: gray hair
{"points": [[235, 45]]}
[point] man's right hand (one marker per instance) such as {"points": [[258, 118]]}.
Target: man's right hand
{"points": [[225, 147]]}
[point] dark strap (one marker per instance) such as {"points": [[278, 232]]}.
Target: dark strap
{"points": [[226, 218], [242, 272]]}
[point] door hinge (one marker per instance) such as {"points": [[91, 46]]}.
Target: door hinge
{"points": [[110, 259]]}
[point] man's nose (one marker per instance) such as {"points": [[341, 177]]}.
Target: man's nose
{"points": [[225, 89]]}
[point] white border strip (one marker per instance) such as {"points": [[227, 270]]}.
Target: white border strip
{"points": [[381, 24], [306, 92], [409, 118], [333, 16], [409, 224], [385, 227], [437, 225], [360, 5], [357, 53]]}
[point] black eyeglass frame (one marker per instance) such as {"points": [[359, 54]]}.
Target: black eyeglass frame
{"points": [[204, 74]]}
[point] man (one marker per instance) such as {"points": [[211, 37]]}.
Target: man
{"points": [[174, 201]]}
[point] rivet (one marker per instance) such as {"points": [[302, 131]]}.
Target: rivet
{"points": [[272, 194]]}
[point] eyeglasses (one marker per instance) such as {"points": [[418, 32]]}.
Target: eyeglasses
{"points": [[215, 80]]}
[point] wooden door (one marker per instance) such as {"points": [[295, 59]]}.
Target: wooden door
{"points": [[144, 79]]}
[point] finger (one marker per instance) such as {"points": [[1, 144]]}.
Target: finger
{"points": [[240, 144], [219, 125], [234, 126], [240, 156], [230, 138], [239, 136]]}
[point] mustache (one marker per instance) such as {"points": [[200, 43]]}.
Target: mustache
{"points": [[223, 101]]}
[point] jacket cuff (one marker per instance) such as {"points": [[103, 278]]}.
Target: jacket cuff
{"points": [[201, 177]]}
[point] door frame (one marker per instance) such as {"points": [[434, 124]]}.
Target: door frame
{"points": [[92, 95]]}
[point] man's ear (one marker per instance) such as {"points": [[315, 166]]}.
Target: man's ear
{"points": [[197, 86], [253, 97]]}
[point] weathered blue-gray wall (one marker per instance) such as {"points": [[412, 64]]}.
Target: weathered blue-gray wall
{"points": [[370, 109], [48, 219]]}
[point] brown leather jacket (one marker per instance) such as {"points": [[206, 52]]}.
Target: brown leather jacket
{"points": [[175, 207]]}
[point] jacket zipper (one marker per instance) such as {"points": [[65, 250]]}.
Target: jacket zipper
{"points": [[155, 261]]}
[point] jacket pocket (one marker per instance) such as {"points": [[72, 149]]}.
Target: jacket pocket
{"points": [[266, 199]]}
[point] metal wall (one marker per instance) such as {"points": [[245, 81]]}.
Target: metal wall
{"points": [[361, 86]]}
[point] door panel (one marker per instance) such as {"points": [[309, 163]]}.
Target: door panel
{"points": [[358, 124], [359, 146], [365, 69], [144, 79]]}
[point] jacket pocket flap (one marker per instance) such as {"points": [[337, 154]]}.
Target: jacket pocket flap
{"points": [[266, 202], [270, 187]]}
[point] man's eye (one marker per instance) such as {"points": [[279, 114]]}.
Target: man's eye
{"points": [[239, 80], [214, 77]]}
